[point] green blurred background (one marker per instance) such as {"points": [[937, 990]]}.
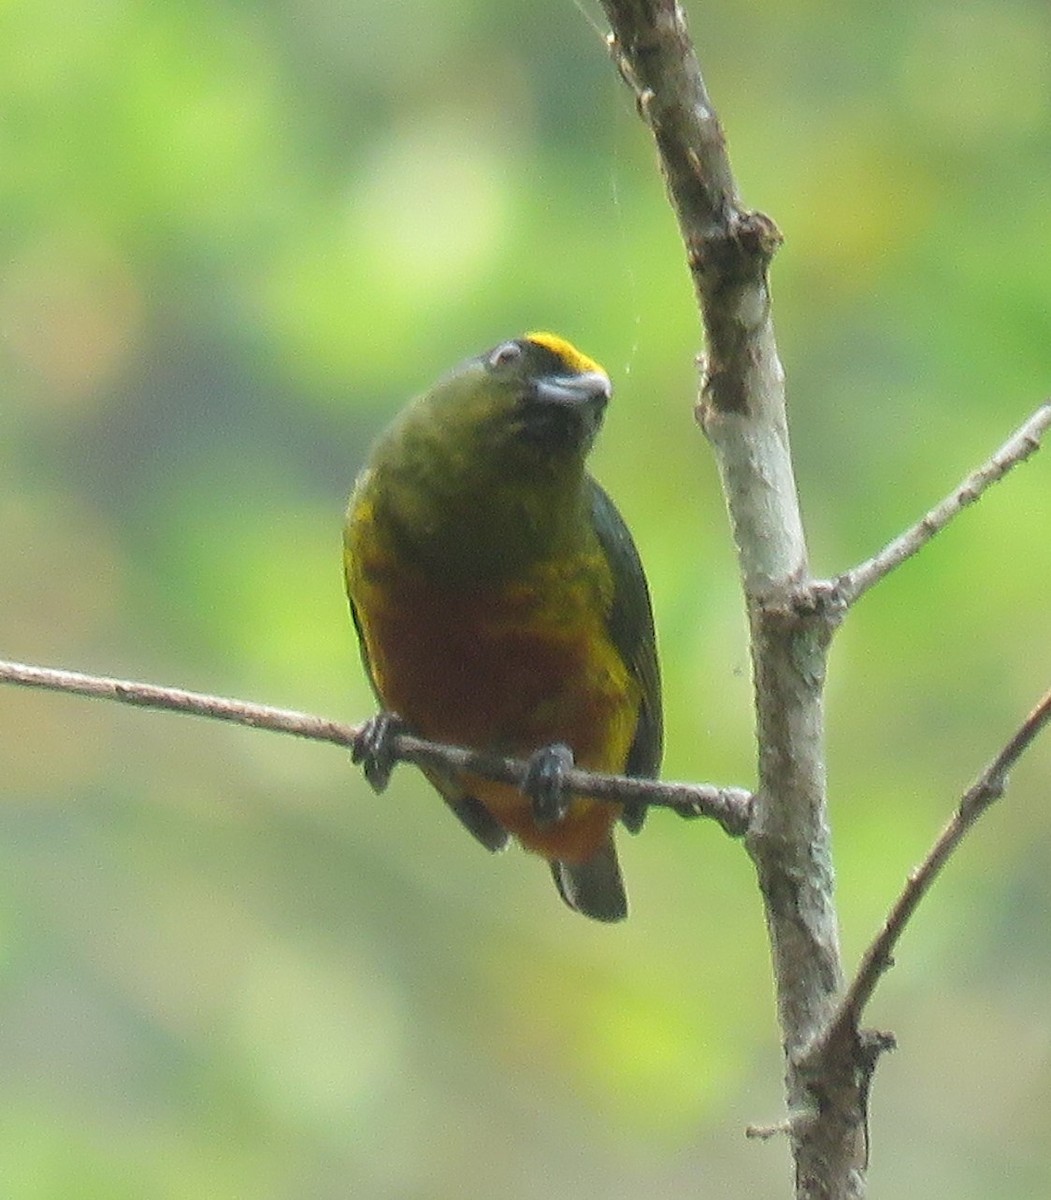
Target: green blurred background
{"points": [[234, 238]]}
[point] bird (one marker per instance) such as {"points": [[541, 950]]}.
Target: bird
{"points": [[501, 604]]}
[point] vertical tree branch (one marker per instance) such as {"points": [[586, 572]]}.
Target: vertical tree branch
{"points": [[742, 412]]}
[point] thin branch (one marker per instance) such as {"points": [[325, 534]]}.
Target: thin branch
{"points": [[729, 806], [1019, 446], [170, 699], [987, 788]]}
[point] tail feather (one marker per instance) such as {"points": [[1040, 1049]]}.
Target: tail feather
{"points": [[593, 887]]}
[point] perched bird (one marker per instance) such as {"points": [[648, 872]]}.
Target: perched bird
{"points": [[501, 605]]}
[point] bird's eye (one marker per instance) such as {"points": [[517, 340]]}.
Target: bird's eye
{"points": [[503, 355]]}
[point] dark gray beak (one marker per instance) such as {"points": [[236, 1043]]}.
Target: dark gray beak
{"points": [[589, 387]]}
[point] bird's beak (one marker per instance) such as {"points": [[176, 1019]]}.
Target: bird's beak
{"points": [[587, 387]]}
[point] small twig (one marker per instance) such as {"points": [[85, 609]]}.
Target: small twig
{"points": [[763, 1133], [987, 788], [730, 806], [1025, 441]]}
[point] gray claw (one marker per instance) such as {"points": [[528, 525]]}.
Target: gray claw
{"points": [[373, 748], [545, 785]]}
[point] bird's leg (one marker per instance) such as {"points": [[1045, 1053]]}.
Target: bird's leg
{"points": [[373, 748], [544, 783]]}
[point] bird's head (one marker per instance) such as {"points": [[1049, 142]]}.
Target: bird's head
{"points": [[534, 401], [485, 470]]}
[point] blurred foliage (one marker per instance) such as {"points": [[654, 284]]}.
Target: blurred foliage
{"points": [[234, 239]]}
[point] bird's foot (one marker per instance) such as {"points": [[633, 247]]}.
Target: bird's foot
{"points": [[374, 749], [545, 783]]}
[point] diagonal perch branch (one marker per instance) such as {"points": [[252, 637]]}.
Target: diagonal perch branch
{"points": [[840, 1063], [729, 806], [1019, 446], [985, 791]]}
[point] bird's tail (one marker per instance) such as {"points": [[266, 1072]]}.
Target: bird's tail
{"points": [[593, 887]]}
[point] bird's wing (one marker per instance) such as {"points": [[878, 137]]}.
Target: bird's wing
{"points": [[630, 624]]}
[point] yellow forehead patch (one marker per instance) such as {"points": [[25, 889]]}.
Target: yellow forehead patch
{"points": [[566, 351]]}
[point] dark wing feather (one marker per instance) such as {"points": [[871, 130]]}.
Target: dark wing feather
{"points": [[470, 812], [361, 645], [631, 628]]}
